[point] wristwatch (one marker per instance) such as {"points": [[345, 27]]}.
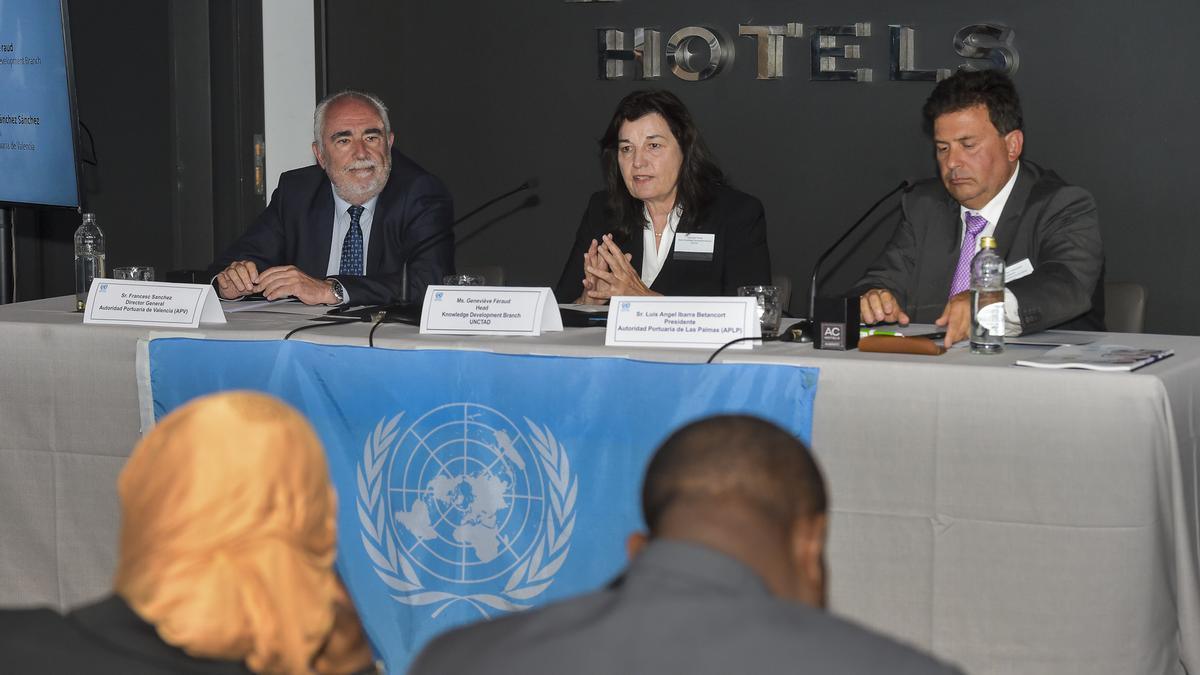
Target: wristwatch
{"points": [[339, 293]]}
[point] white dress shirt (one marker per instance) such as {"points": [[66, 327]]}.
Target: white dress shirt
{"points": [[992, 212], [654, 257]]}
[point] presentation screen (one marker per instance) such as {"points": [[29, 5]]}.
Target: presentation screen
{"points": [[37, 111]]}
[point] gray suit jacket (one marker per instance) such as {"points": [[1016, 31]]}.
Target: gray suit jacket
{"points": [[679, 608], [1052, 224]]}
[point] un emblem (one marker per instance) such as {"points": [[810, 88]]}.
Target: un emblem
{"points": [[464, 506]]}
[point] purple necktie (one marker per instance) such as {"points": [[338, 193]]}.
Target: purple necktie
{"points": [[962, 273]]}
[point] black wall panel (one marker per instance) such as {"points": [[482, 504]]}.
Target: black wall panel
{"points": [[488, 94]]}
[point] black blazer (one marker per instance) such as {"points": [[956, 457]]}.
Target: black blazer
{"points": [[1052, 224], [739, 258], [106, 638], [413, 218]]}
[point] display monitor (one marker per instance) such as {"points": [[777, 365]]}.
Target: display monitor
{"points": [[38, 137]]}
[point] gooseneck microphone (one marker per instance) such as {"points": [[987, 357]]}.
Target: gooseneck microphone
{"points": [[530, 184], [812, 291], [405, 309], [425, 245]]}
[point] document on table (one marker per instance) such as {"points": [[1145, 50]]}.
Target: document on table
{"points": [[287, 306]]}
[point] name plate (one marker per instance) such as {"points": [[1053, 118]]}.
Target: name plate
{"points": [[151, 303], [489, 310], [681, 322]]}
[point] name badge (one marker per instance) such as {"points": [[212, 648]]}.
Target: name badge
{"points": [[489, 310], [151, 303], [694, 246], [681, 322], [1017, 270]]}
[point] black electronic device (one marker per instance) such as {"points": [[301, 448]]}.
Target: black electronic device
{"points": [[835, 323]]}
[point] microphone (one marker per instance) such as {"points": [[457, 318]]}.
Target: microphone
{"points": [[423, 246], [530, 184], [405, 310], [843, 337]]}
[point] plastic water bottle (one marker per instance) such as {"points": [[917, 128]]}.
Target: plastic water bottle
{"points": [[987, 299], [89, 258]]}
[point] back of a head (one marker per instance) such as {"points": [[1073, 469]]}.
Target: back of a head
{"points": [[969, 88], [734, 459], [228, 535]]}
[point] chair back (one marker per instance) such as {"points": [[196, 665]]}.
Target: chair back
{"points": [[1124, 307]]}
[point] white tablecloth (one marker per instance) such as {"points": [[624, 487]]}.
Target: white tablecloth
{"points": [[1008, 519]]}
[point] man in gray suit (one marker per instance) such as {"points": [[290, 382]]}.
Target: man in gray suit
{"points": [[1046, 230], [730, 579]]}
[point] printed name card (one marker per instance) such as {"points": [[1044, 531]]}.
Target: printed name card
{"points": [[489, 310], [707, 322], [151, 303]]}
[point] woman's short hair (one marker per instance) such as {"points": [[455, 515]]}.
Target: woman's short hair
{"points": [[698, 173]]}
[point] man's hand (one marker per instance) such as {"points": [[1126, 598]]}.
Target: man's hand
{"points": [[956, 318], [619, 278], [239, 279], [878, 304], [288, 280]]}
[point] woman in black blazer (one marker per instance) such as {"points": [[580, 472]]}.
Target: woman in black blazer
{"points": [[667, 224]]}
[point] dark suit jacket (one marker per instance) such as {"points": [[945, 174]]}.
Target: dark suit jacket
{"points": [[106, 638], [740, 256], [679, 608], [413, 217], [1051, 223]]}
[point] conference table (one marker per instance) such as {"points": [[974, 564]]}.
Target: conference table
{"points": [[1008, 519]]}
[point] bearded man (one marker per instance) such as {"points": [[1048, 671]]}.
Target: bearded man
{"points": [[353, 230]]}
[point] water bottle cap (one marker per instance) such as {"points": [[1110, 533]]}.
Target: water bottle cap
{"points": [[987, 242]]}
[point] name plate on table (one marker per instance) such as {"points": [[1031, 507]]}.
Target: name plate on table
{"points": [[706, 322], [151, 303], [489, 310]]}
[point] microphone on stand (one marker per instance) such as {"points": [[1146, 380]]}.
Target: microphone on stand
{"points": [[837, 327], [406, 310]]}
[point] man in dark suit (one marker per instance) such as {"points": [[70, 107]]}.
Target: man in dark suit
{"points": [[354, 229], [1046, 230], [731, 579]]}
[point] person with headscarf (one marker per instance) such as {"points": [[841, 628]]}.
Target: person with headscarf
{"points": [[226, 558]]}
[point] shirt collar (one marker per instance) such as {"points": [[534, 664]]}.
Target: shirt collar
{"points": [[340, 205], [995, 208], [672, 217]]}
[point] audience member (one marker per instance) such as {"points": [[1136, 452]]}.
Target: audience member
{"points": [[225, 558], [730, 579]]}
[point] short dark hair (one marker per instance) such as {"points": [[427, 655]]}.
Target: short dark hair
{"points": [[969, 88], [735, 456], [698, 174]]}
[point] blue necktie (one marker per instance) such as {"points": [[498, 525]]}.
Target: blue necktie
{"points": [[352, 246]]}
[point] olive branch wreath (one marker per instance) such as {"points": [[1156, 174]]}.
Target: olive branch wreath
{"points": [[531, 578]]}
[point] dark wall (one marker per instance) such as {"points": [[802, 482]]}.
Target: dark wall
{"points": [[172, 94], [488, 94], [121, 60]]}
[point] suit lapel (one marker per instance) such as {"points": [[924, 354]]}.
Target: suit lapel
{"points": [[1014, 208], [946, 246], [386, 213], [320, 226]]}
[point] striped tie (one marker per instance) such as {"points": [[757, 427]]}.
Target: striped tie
{"points": [[962, 273]]}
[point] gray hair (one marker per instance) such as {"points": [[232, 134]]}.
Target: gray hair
{"points": [[319, 115]]}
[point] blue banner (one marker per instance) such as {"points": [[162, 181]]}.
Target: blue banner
{"points": [[473, 484]]}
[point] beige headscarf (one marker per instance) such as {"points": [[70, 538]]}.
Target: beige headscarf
{"points": [[227, 539]]}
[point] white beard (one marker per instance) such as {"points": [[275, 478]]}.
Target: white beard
{"points": [[356, 192]]}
